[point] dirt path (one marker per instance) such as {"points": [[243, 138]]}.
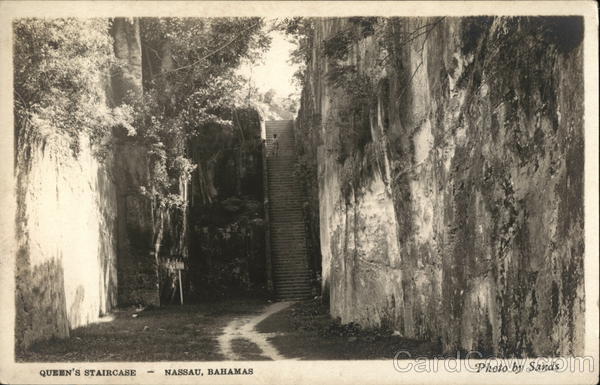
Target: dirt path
{"points": [[244, 328]]}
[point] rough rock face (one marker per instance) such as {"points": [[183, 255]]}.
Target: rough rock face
{"points": [[449, 166], [66, 260], [138, 262], [227, 230]]}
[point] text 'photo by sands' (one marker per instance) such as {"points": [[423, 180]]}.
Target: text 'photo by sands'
{"points": [[299, 192]]}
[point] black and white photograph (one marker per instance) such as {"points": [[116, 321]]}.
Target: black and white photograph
{"points": [[193, 194]]}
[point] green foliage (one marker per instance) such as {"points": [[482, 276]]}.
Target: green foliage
{"points": [[190, 86], [357, 85], [338, 46], [359, 95], [58, 66], [366, 25], [190, 89], [299, 30]]}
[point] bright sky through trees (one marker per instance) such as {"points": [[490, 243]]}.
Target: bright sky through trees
{"points": [[273, 71]]}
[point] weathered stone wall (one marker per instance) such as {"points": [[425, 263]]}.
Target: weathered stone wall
{"points": [[137, 250], [227, 247], [451, 183], [66, 260], [82, 224]]}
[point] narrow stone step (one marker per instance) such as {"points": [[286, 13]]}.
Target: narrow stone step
{"points": [[283, 258], [281, 221], [291, 230], [295, 297], [287, 276], [278, 227], [288, 233], [280, 258], [300, 289], [283, 181], [297, 252], [288, 247], [288, 273], [282, 198], [294, 247], [296, 265], [285, 193], [290, 188], [304, 290], [279, 246], [285, 261], [295, 255], [285, 217], [292, 278], [282, 239], [288, 227], [286, 208], [295, 287], [291, 284], [288, 236], [288, 230]]}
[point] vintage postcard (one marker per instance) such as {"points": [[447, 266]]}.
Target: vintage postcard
{"points": [[274, 192]]}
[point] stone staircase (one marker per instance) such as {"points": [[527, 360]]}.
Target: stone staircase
{"points": [[289, 263]]}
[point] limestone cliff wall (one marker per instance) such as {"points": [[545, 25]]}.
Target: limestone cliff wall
{"points": [[80, 217], [138, 239], [449, 171], [66, 260]]}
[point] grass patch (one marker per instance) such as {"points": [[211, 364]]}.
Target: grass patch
{"points": [[309, 333], [170, 333], [247, 350]]}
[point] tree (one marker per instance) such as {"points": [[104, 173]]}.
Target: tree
{"points": [[58, 65], [189, 85]]}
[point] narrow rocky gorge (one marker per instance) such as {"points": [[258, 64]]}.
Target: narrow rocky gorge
{"points": [[431, 185]]}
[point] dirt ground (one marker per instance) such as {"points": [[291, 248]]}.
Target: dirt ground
{"points": [[241, 329]]}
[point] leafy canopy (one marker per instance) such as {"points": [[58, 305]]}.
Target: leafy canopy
{"points": [[59, 66]]}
